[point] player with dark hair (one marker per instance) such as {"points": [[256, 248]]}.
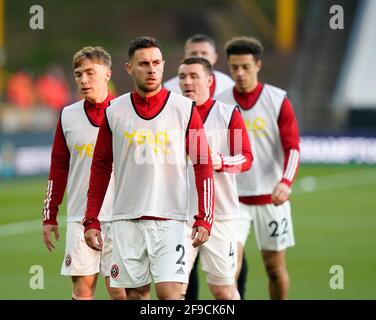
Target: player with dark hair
{"points": [[273, 131], [201, 45], [231, 154], [147, 136]]}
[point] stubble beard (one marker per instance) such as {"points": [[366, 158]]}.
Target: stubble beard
{"points": [[145, 88]]}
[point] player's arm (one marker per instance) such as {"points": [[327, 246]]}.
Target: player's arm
{"points": [[289, 133], [100, 176], [198, 150], [241, 157], [57, 182]]}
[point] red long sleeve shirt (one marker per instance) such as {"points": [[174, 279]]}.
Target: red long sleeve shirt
{"points": [[101, 169], [60, 158], [289, 135], [236, 123]]}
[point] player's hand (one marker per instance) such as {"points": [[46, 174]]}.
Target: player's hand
{"points": [[47, 230], [199, 236], [93, 238], [216, 161], [280, 194]]}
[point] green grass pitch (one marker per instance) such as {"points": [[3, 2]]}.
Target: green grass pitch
{"points": [[334, 219]]}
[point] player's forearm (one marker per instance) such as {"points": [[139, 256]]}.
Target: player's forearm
{"points": [[199, 153], [100, 176], [240, 149], [289, 133], [205, 193], [99, 180], [237, 163], [291, 166], [58, 177], [54, 197]]}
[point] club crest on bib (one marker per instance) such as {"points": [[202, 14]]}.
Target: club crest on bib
{"points": [[114, 271], [68, 260]]}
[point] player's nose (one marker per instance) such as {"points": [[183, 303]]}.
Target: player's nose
{"points": [[152, 68], [239, 72], [83, 79], [187, 84]]}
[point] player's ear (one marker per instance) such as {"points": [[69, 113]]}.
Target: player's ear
{"points": [[108, 74], [259, 64], [210, 80], [128, 67]]}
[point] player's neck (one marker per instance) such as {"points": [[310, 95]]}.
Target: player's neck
{"points": [[252, 86], [200, 101], [147, 94], [102, 96]]}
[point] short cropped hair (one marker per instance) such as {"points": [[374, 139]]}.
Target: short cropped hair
{"points": [[198, 60], [94, 54], [197, 38], [142, 43], [244, 45]]}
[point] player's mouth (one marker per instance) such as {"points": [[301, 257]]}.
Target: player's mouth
{"points": [[188, 91], [85, 90]]}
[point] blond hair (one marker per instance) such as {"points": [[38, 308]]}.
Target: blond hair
{"points": [[94, 54]]}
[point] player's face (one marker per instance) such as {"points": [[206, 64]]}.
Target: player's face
{"points": [[92, 79], [244, 69], [201, 49], [195, 82], [146, 68]]}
